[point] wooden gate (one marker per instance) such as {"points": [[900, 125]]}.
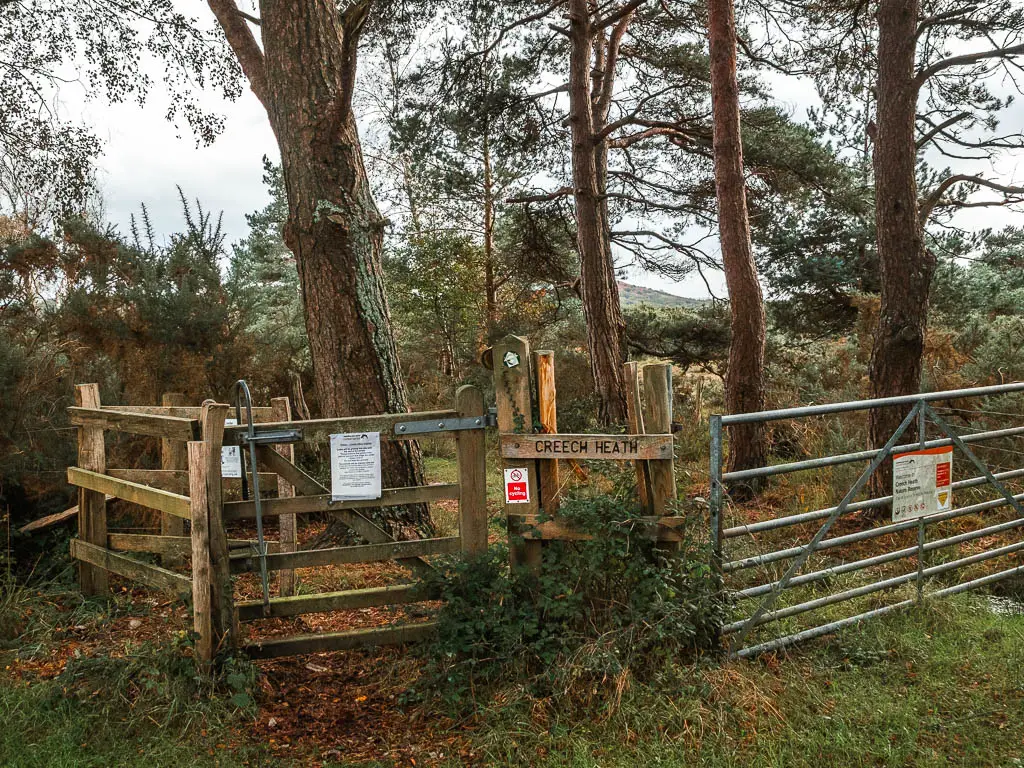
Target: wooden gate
{"points": [[216, 559]]}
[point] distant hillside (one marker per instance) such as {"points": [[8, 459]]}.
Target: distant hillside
{"points": [[633, 295]]}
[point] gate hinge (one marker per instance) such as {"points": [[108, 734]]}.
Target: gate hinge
{"points": [[489, 419], [270, 436]]}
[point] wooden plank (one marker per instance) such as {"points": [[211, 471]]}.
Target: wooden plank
{"points": [[287, 525], [259, 413], [304, 505], [471, 450], [547, 415], [144, 573], [353, 518], [175, 545], [153, 498], [515, 415], [173, 457], [176, 481], [92, 503], [606, 447], [319, 430], [361, 553], [150, 424], [635, 422], [351, 599], [296, 645]]}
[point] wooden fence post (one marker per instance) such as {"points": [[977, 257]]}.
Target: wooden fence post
{"points": [[281, 410], [202, 581], [92, 505], [657, 420], [222, 591], [471, 448], [547, 470], [173, 455], [515, 414], [635, 420]]}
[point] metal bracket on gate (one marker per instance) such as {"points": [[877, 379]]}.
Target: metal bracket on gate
{"points": [[489, 419], [269, 437]]}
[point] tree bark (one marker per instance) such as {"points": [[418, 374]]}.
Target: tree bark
{"points": [[305, 76], [906, 265], [601, 309], [744, 380]]}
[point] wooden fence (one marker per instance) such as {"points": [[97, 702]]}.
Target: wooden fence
{"points": [[197, 496]]}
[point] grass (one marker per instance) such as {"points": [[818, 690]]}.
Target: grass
{"points": [[937, 686], [941, 685]]}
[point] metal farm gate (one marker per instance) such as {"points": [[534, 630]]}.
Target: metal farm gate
{"points": [[811, 555]]}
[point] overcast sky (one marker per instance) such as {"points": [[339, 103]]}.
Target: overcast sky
{"points": [[145, 158]]}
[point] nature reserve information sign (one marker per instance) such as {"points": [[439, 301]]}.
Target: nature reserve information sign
{"points": [[231, 456], [355, 466], [922, 483]]}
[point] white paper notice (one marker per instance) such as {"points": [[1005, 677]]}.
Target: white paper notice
{"points": [[922, 483], [231, 456], [355, 466]]}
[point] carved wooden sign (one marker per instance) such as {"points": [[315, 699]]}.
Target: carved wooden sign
{"points": [[613, 447]]}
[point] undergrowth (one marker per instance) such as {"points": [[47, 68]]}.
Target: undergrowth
{"points": [[602, 611]]}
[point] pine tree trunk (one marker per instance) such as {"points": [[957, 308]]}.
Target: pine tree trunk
{"points": [[601, 309], [906, 266], [335, 230], [744, 381], [490, 285]]}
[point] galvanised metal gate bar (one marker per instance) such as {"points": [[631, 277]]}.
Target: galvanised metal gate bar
{"points": [[772, 590]]}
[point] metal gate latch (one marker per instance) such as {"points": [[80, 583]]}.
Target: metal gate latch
{"points": [[489, 419]]}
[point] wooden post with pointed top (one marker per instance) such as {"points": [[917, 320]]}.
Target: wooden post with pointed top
{"points": [[657, 419], [92, 505], [515, 414], [635, 420]]}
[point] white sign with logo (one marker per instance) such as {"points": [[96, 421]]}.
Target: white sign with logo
{"points": [[922, 483], [231, 456], [517, 486], [355, 466]]}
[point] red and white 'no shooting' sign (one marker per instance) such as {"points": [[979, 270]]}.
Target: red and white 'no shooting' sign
{"points": [[517, 486]]}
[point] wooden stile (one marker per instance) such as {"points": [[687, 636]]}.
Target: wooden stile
{"points": [[287, 525], [92, 504], [472, 488]]}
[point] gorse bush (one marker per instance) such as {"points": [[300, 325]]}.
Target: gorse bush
{"points": [[600, 611]]}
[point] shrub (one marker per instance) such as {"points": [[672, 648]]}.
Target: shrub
{"points": [[612, 607]]}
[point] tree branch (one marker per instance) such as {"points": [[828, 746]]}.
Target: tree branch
{"points": [[615, 16], [935, 198], [243, 43], [513, 25], [542, 198], [352, 22], [937, 129], [967, 58]]}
